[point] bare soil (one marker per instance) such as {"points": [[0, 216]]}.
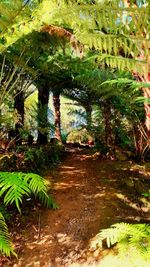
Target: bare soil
{"points": [[92, 193]]}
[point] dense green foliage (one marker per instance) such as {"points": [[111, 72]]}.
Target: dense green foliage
{"points": [[95, 53]]}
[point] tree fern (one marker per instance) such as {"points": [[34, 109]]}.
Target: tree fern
{"points": [[5, 243], [111, 28]]}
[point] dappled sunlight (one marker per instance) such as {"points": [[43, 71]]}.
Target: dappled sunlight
{"points": [[65, 170], [72, 172], [93, 156], [64, 167], [62, 241], [128, 202], [62, 185], [99, 195]]}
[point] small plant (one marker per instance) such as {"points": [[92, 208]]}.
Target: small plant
{"points": [[131, 239], [146, 194], [14, 187]]}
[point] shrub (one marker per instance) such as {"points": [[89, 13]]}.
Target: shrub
{"points": [[32, 159]]}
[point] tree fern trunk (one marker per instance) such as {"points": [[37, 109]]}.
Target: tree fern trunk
{"points": [[19, 105], [56, 103], [88, 110], [43, 98], [106, 109]]}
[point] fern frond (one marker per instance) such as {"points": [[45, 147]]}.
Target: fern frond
{"points": [[14, 186], [35, 182], [131, 237], [5, 243], [47, 201]]}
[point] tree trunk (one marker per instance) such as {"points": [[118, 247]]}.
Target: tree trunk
{"points": [[43, 99], [56, 103], [88, 110], [19, 105], [106, 109]]}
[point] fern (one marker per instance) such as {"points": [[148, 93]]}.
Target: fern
{"points": [[134, 238], [5, 243], [14, 186], [107, 26]]}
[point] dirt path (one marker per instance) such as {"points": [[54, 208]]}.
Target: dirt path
{"points": [[92, 195]]}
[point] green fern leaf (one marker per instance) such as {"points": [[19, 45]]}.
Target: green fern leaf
{"points": [[13, 187], [5, 243]]}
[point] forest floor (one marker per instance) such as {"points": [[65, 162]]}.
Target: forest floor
{"points": [[92, 194]]}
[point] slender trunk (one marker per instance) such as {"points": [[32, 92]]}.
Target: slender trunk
{"points": [[43, 98], [116, 127], [56, 103], [19, 105], [88, 110], [106, 109]]}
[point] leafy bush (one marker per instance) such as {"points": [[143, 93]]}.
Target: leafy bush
{"points": [[13, 188], [36, 158], [33, 159], [79, 136]]}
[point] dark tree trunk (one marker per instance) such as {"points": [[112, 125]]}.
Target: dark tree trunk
{"points": [[88, 110], [43, 99], [56, 103], [106, 110], [19, 105]]}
